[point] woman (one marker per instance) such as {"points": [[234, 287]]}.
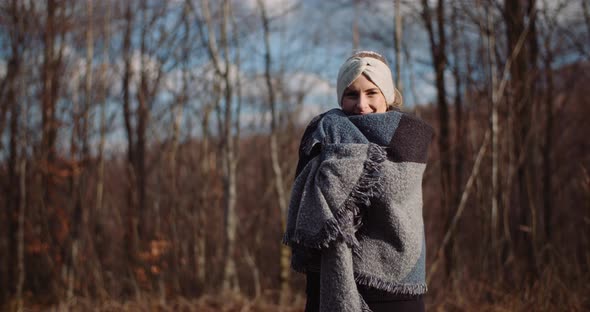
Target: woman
{"points": [[355, 216]]}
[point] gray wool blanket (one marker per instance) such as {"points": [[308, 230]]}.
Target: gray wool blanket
{"points": [[355, 213]]}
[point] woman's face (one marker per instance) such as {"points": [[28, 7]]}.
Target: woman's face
{"points": [[363, 97]]}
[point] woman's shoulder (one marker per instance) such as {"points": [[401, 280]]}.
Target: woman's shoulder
{"points": [[414, 120]]}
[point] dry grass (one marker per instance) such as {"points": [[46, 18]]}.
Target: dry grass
{"points": [[206, 303], [556, 288], [548, 293], [552, 291]]}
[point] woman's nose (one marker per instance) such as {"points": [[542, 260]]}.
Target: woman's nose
{"points": [[362, 103]]}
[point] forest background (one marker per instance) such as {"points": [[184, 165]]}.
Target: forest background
{"points": [[147, 148]]}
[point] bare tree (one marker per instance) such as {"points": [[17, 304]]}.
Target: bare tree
{"points": [[523, 87], [131, 233], [489, 31], [439, 59], [100, 174], [548, 38], [586, 13], [22, 187], [397, 43], [9, 91], [152, 58], [355, 25], [547, 147], [459, 150], [274, 153], [79, 153], [54, 30], [222, 65], [206, 174], [177, 109]]}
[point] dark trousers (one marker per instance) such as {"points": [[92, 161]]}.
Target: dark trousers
{"points": [[377, 301]]}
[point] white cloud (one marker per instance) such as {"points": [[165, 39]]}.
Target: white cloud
{"points": [[146, 63], [568, 10], [309, 111], [254, 86], [112, 73], [273, 7], [316, 90], [109, 74], [311, 81], [254, 120]]}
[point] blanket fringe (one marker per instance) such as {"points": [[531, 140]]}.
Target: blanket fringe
{"points": [[329, 233], [350, 215], [408, 289], [348, 218]]}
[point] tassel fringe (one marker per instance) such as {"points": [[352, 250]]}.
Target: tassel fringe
{"points": [[348, 218], [408, 289]]}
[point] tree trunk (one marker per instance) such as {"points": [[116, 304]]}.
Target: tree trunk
{"points": [[177, 111], [459, 127], [79, 155], [456, 176], [200, 216], [586, 13], [57, 230], [397, 40], [14, 200], [274, 156], [523, 88], [142, 119], [437, 45], [228, 157], [131, 233], [355, 26], [547, 147], [20, 268], [494, 219]]}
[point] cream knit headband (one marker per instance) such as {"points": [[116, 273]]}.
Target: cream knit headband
{"points": [[377, 71]]}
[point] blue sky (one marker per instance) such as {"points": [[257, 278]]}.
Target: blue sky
{"points": [[309, 41]]}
